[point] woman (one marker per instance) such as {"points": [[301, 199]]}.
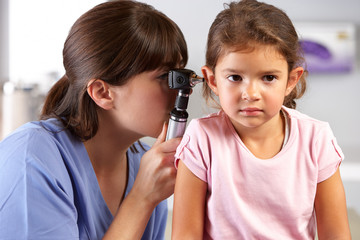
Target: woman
{"points": [[77, 173]]}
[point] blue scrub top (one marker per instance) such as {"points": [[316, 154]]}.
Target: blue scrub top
{"points": [[49, 190]]}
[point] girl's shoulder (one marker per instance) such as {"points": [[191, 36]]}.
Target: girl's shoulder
{"points": [[303, 119], [212, 126], [212, 119], [311, 129]]}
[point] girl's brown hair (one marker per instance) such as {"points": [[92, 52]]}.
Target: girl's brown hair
{"points": [[114, 41], [245, 24]]}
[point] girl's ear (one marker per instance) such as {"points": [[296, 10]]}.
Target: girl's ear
{"points": [[210, 78], [294, 77], [100, 92]]}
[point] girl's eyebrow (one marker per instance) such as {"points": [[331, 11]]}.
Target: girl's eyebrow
{"points": [[264, 72], [230, 70], [272, 71]]}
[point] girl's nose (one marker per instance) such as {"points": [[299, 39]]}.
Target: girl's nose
{"points": [[250, 92]]}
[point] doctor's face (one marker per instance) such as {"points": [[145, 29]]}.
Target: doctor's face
{"points": [[144, 103]]}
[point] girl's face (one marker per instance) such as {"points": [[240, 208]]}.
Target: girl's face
{"points": [[143, 104], [252, 85]]}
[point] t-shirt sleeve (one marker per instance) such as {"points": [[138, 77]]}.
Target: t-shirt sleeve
{"points": [[34, 203], [329, 153], [193, 150]]}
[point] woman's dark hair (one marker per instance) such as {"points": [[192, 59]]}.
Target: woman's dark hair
{"points": [[114, 41], [244, 25]]}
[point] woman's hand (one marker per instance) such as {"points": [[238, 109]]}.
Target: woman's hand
{"points": [[155, 180]]}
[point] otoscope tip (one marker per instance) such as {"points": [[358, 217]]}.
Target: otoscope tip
{"points": [[195, 80]]}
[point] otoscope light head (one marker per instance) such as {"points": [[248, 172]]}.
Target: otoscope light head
{"points": [[183, 79]]}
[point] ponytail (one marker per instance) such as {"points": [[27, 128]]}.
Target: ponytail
{"points": [[54, 97], [73, 107]]}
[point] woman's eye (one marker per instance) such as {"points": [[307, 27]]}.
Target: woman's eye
{"points": [[234, 78], [269, 78], [164, 76]]}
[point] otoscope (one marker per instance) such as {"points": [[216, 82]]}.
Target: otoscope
{"points": [[183, 80]]}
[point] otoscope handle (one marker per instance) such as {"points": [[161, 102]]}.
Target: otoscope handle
{"points": [[182, 99], [177, 124]]}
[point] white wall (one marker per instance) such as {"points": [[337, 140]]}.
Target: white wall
{"points": [[37, 33]]}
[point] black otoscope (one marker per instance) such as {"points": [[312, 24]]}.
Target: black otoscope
{"points": [[183, 80]]}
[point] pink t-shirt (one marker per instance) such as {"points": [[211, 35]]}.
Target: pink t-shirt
{"points": [[251, 198]]}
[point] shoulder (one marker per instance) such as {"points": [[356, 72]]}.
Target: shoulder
{"points": [[305, 122], [212, 118], [207, 132], [313, 131], [208, 124], [297, 115], [30, 136], [33, 159], [35, 144], [42, 130]]}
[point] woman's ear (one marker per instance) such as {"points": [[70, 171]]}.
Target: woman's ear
{"points": [[210, 78], [100, 92], [294, 78]]}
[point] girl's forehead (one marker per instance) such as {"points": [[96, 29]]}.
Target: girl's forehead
{"points": [[251, 47], [265, 51], [262, 59]]}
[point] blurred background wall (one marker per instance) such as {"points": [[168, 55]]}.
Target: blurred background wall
{"points": [[32, 35]]}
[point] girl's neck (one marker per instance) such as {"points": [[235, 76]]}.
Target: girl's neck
{"points": [[266, 140]]}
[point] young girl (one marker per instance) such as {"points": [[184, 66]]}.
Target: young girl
{"points": [[258, 169], [77, 174]]}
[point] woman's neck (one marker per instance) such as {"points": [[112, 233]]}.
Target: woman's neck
{"points": [[108, 147], [107, 151]]}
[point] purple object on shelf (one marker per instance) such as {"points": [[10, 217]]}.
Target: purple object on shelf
{"points": [[315, 49]]}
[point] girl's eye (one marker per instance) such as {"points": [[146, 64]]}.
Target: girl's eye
{"points": [[234, 78], [269, 78]]}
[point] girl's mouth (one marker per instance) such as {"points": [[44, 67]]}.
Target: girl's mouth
{"points": [[250, 111]]}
